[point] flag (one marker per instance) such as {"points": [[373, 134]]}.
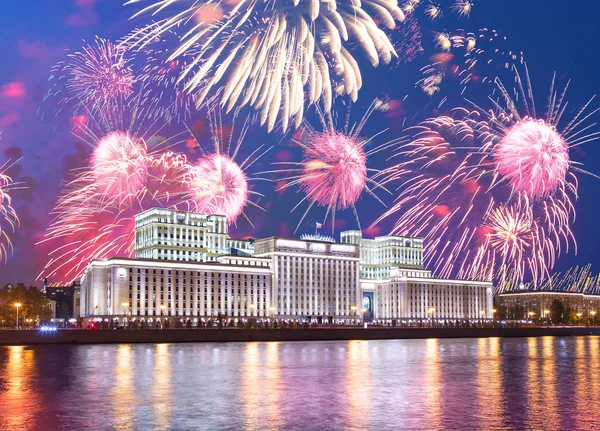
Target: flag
{"points": [[319, 225]]}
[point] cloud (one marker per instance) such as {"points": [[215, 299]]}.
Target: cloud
{"points": [[39, 50], [9, 119], [85, 17], [13, 90]]}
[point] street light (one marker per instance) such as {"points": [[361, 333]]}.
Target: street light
{"points": [[579, 317], [272, 312], [546, 313], [17, 304], [125, 305], [593, 313], [162, 309], [531, 314], [353, 308], [251, 306]]}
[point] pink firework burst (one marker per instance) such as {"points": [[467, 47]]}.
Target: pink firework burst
{"points": [[119, 165], [334, 169], [491, 191], [219, 186], [126, 174], [218, 183], [533, 157], [333, 173]]}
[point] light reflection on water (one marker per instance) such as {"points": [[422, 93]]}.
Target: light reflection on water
{"points": [[490, 384]]}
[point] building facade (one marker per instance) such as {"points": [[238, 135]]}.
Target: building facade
{"points": [[65, 300], [312, 279], [238, 287], [165, 234], [384, 254], [538, 304], [396, 287], [186, 265]]}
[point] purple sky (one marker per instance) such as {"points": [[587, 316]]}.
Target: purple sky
{"points": [[36, 34]]}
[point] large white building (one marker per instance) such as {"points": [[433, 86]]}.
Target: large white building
{"points": [[186, 265]]}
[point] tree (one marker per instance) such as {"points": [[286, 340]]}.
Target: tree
{"points": [[34, 305], [557, 312]]}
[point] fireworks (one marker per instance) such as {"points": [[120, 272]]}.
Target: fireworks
{"points": [[463, 7], [465, 58], [218, 184], [334, 169], [127, 172], [333, 173], [268, 55], [533, 156], [574, 280], [164, 94], [433, 11], [119, 165], [98, 77], [9, 221], [491, 191]]}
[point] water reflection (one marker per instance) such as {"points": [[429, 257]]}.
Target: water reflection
{"points": [[20, 401], [536, 383], [261, 386], [431, 384], [490, 406], [163, 399], [358, 384]]}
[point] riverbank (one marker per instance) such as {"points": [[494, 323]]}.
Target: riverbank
{"points": [[78, 336]]}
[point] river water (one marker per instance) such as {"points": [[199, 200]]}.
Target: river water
{"points": [[490, 384]]}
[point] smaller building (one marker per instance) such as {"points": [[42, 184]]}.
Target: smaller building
{"points": [[538, 304], [64, 300]]}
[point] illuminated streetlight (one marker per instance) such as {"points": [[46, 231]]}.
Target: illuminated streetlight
{"points": [[593, 313], [17, 304], [353, 308], [579, 317], [273, 309], [251, 306]]}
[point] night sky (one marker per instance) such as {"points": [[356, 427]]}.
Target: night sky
{"points": [[553, 35]]}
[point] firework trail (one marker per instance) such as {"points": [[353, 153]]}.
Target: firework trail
{"points": [[333, 173], [99, 78], [491, 191], [219, 184], [575, 280], [463, 58], [267, 55], [9, 221], [165, 96]]}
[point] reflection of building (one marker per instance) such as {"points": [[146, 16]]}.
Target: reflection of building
{"points": [[520, 304], [186, 263]]}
